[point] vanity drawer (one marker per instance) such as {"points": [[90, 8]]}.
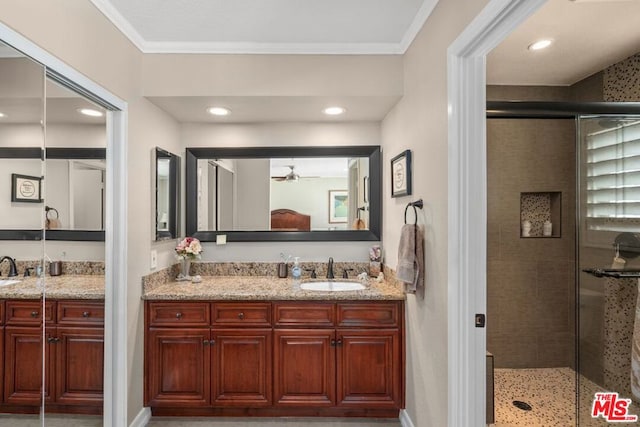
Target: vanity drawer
{"points": [[377, 314], [242, 314], [80, 313], [28, 312], [178, 314], [290, 314]]}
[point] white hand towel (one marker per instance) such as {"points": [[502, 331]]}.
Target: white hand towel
{"points": [[410, 269]]}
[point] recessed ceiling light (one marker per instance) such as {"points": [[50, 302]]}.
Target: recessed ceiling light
{"points": [[334, 111], [219, 111], [90, 112], [2, 115], [540, 44]]}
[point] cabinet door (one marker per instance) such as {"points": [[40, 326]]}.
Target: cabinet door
{"points": [[178, 367], [241, 367], [304, 367], [79, 366], [23, 366], [369, 371]]}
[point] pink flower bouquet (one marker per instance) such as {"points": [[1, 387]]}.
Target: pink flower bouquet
{"points": [[189, 248]]}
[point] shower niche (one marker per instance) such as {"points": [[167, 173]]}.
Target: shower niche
{"points": [[540, 214]]}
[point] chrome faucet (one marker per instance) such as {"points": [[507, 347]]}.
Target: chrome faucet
{"points": [[13, 270], [330, 269]]}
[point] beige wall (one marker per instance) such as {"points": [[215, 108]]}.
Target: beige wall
{"points": [[419, 122]]}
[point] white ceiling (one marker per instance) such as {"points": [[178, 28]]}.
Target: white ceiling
{"points": [[589, 35], [269, 26], [251, 109]]}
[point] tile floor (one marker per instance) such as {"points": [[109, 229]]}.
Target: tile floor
{"points": [[551, 393], [82, 421], [51, 420], [271, 422]]}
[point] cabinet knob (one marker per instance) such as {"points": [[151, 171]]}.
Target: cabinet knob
{"points": [[333, 343], [339, 342], [212, 342], [34, 314], [86, 314], [178, 315], [51, 340], [241, 316], [205, 342]]}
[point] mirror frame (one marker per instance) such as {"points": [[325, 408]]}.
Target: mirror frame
{"points": [[174, 195], [373, 152], [53, 153]]}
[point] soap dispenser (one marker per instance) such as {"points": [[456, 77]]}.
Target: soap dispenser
{"points": [[296, 271]]}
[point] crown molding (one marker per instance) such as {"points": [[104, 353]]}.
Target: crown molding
{"points": [[418, 22], [121, 23], [273, 48], [125, 27]]}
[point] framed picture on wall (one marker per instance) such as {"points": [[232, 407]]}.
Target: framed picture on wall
{"points": [[338, 206], [401, 174], [25, 188]]}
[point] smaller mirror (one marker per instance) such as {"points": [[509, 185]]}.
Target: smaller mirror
{"points": [[167, 185]]}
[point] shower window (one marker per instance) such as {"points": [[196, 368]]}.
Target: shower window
{"points": [[613, 176]]}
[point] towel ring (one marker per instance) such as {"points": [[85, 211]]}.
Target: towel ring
{"points": [[49, 209], [417, 204]]}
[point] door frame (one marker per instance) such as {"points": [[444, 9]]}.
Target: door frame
{"points": [[115, 322], [467, 205]]}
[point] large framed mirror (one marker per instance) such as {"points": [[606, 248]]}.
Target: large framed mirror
{"points": [[167, 194], [284, 193], [75, 205]]}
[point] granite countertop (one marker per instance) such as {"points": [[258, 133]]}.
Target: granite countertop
{"points": [[58, 287], [263, 288]]}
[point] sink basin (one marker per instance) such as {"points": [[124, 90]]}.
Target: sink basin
{"points": [[332, 286], [7, 282]]}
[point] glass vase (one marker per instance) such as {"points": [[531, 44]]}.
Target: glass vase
{"points": [[185, 267]]}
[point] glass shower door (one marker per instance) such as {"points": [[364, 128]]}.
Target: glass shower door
{"points": [[609, 249]]}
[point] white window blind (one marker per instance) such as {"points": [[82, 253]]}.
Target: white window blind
{"points": [[613, 178]]}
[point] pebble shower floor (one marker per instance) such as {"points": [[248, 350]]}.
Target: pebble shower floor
{"points": [[551, 392]]}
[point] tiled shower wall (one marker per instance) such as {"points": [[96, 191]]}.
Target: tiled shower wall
{"points": [[530, 281], [603, 355]]}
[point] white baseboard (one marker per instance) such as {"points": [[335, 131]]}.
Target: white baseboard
{"points": [[142, 419], [405, 419]]}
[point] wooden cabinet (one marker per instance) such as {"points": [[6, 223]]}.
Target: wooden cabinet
{"points": [[368, 371], [74, 355], [360, 367], [211, 365], [23, 366], [241, 367], [304, 367], [178, 367], [79, 366], [283, 358]]}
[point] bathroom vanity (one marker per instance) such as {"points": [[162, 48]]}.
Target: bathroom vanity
{"points": [[258, 346], [74, 353]]}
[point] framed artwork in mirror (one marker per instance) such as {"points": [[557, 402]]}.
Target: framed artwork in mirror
{"points": [[401, 174], [338, 206], [25, 188]]}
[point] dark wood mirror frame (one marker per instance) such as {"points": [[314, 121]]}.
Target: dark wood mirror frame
{"points": [[53, 153], [174, 195], [375, 193]]}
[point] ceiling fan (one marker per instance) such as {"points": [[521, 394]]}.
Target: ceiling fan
{"points": [[290, 177]]}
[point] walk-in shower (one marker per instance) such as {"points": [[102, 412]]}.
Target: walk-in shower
{"points": [[563, 197]]}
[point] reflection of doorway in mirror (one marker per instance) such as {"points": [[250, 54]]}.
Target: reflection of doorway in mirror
{"points": [[86, 195]]}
